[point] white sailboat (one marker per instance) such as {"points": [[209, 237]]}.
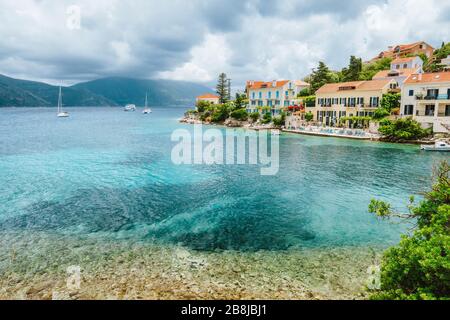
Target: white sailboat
{"points": [[61, 113], [147, 110]]}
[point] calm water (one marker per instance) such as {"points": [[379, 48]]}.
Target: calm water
{"points": [[108, 174]]}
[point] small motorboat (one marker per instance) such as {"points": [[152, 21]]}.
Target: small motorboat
{"points": [[276, 132], [438, 146], [130, 107]]}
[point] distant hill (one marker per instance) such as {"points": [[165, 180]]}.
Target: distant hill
{"points": [[23, 93], [101, 92], [160, 92]]}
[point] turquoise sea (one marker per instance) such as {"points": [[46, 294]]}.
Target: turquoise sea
{"points": [[106, 173], [104, 177]]}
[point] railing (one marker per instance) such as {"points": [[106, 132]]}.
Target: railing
{"points": [[434, 97]]}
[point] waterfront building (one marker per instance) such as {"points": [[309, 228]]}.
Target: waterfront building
{"points": [[426, 98], [347, 99], [209, 97], [275, 95]]}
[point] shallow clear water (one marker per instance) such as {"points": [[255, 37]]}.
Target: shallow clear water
{"points": [[108, 174]]}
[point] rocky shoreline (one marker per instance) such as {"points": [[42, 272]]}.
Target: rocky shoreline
{"points": [[35, 268]]}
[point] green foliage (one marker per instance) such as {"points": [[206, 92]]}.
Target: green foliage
{"points": [[267, 118], [356, 121], [419, 267], [222, 88], [370, 69], [380, 113], [309, 101], [353, 71], [254, 116], [402, 129], [434, 64], [239, 114], [309, 116], [220, 113], [304, 92], [202, 105], [390, 101], [240, 101], [279, 120], [320, 76]]}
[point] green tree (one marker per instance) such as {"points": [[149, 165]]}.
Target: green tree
{"points": [[309, 116], [309, 101], [320, 76], [352, 73], [380, 113], [222, 88], [390, 101], [370, 69], [402, 129], [240, 101], [419, 267], [279, 120], [239, 114], [304, 92], [202, 105], [221, 113]]}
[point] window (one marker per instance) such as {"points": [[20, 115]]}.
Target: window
{"points": [[429, 110], [286, 93], [405, 66], [397, 66], [278, 94], [253, 95], [408, 111], [411, 93], [447, 110], [432, 93], [253, 102], [269, 95], [260, 95]]}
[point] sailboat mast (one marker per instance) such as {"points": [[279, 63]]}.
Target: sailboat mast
{"points": [[146, 101], [59, 101]]}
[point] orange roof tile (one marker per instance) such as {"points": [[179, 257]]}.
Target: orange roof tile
{"points": [[401, 72], [428, 78], [208, 96], [262, 84], [354, 86], [403, 60]]}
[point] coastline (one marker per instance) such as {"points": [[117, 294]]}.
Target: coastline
{"points": [[120, 270]]}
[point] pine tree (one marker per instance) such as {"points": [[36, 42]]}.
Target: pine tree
{"points": [[222, 88], [320, 76], [352, 73]]}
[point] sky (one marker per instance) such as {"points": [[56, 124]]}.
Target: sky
{"points": [[65, 42]]}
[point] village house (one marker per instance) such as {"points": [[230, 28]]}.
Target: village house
{"points": [[275, 95], [426, 98], [404, 50], [347, 99], [401, 69], [208, 97]]}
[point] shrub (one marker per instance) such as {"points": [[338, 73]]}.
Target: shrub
{"points": [[419, 267], [304, 92], [309, 116], [380, 113], [267, 118], [402, 129], [254, 116], [309, 101], [240, 114], [280, 120], [202, 106]]}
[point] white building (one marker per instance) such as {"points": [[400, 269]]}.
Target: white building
{"points": [[426, 97], [208, 97], [401, 69], [276, 94]]}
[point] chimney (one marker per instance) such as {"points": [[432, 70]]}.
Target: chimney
{"points": [[274, 83]]}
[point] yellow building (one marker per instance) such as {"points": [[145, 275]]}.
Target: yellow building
{"points": [[347, 99]]}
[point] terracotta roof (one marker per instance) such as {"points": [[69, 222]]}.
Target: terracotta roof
{"points": [[429, 78], [208, 96], [403, 60], [354, 86], [301, 83], [401, 72], [262, 84]]}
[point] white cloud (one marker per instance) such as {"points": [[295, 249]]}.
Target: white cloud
{"points": [[195, 40]]}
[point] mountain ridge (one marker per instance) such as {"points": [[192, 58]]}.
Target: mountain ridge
{"points": [[111, 91]]}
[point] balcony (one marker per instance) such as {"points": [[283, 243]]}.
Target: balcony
{"points": [[433, 97]]}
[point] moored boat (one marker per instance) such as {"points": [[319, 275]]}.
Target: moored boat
{"points": [[438, 146], [130, 107], [60, 112]]}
